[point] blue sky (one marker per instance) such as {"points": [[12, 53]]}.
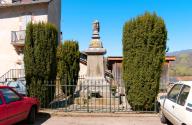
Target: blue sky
{"points": [[77, 17]]}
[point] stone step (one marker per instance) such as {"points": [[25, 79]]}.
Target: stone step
{"points": [[97, 101]]}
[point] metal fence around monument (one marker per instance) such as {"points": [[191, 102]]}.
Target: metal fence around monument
{"points": [[90, 96]]}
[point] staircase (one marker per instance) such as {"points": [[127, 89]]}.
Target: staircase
{"points": [[13, 74]]}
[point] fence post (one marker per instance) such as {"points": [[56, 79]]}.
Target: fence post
{"points": [[88, 97], [155, 105], [110, 96]]}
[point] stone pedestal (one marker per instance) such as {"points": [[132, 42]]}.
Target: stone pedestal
{"points": [[95, 78], [95, 63], [96, 87]]}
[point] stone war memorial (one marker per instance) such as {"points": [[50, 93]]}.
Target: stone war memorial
{"points": [[95, 90], [95, 78]]}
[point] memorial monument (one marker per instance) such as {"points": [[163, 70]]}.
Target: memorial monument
{"points": [[95, 78], [95, 52]]}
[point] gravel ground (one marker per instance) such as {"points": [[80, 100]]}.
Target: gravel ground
{"points": [[62, 118], [56, 120]]}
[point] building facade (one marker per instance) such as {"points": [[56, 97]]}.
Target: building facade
{"points": [[14, 17]]}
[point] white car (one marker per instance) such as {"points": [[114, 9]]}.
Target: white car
{"points": [[177, 106], [18, 86]]}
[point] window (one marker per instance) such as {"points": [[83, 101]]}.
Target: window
{"points": [[183, 95], [25, 19], [173, 94], [1, 102], [13, 84], [9, 95]]}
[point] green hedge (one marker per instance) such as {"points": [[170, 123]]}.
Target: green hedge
{"points": [[40, 60], [68, 56], [144, 45]]}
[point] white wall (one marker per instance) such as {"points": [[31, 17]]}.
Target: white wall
{"points": [[10, 20], [6, 1], [8, 55]]}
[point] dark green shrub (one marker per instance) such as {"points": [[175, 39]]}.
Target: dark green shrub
{"points": [[144, 45], [40, 60], [68, 65]]}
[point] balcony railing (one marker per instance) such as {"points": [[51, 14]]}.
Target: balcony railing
{"points": [[13, 74], [18, 40], [18, 37]]}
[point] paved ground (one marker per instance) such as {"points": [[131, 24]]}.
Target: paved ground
{"points": [[101, 121], [63, 118]]}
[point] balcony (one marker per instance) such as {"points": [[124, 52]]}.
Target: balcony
{"points": [[22, 1], [15, 1], [18, 40]]}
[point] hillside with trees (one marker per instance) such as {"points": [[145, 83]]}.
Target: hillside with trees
{"points": [[183, 64]]}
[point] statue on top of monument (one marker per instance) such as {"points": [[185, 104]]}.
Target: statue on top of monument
{"points": [[96, 27], [95, 42]]}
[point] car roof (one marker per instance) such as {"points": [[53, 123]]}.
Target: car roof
{"points": [[189, 83], [4, 87]]}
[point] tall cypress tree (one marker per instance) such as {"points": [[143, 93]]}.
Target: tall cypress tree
{"points": [[69, 56], [40, 60], [144, 44], [28, 53], [59, 60]]}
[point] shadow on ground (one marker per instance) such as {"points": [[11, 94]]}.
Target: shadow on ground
{"points": [[41, 118]]}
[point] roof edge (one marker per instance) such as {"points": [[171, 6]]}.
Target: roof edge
{"points": [[23, 4]]}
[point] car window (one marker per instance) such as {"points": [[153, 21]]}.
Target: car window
{"points": [[9, 95], [173, 94], [183, 95], [13, 84], [1, 102]]}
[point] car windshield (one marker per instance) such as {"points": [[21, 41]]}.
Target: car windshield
{"points": [[9, 95], [1, 102], [162, 97], [18, 86], [13, 84]]}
